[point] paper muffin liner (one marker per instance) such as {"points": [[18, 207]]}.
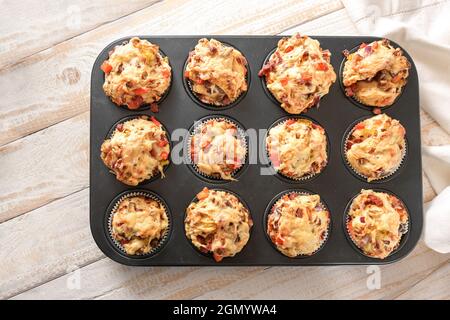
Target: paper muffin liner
{"points": [[161, 243], [270, 209], [404, 228], [212, 106], [304, 177], [197, 127], [209, 254], [146, 106], [359, 174], [112, 130]]}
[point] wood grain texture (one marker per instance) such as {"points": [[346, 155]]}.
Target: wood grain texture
{"points": [[31, 26], [44, 167], [46, 172], [53, 85], [45, 243], [107, 280], [434, 286]]}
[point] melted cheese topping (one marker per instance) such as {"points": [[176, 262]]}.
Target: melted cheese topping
{"points": [[138, 224], [218, 223], [376, 146], [376, 223], [297, 148], [376, 73], [298, 73], [217, 72], [298, 224], [217, 149], [137, 150], [139, 74]]}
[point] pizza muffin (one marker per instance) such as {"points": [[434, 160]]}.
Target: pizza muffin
{"points": [[216, 72], [298, 224], [298, 73], [375, 74], [137, 150], [136, 74], [376, 223], [297, 148], [217, 148], [376, 146], [139, 224], [218, 223]]}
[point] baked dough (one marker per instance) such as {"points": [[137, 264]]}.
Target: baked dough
{"points": [[376, 223], [297, 148], [376, 73], [137, 150], [298, 73], [136, 74], [298, 224], [376, 146], [139, 224], [216, 72], [218, 223], [217, 150]]}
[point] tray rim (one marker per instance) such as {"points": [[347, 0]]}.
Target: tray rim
{"points": [[120, 260]]}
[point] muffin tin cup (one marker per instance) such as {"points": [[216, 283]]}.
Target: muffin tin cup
{"points": [[404, 233], [256, 185], [194, 96], [209, 255], [146, 106], [157, 175], [198, 126], [391, 174], [353, 98], [112, 210], [279, 174], [270, 208]]}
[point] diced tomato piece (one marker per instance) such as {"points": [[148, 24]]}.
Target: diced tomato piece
{"points": [[166, 73], [375, 45], [376, 110], [186, 74], [106, 67], [203, 194], [362, 45], [284, 81], [217, 257], [163, 143], [135, 103], [279, 240], [360, 126], [140, 91], [155, 121], [362, 219], [154, 108], [290, 121], [289, 49], [164, 155], [322, 66]]}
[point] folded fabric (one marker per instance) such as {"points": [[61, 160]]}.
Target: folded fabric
{"points": [[437, 222], [422, 29]]}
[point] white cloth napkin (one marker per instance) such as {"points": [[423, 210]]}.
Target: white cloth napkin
{"points": [[423, 29]]}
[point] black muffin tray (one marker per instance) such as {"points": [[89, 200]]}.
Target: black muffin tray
{"points": [[336, 184]]}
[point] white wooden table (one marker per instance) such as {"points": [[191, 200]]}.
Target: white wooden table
{"points": [[47, 50]]}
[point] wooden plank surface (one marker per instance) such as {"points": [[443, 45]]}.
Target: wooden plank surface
{"points": [[44, 189], [30, 26]]}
